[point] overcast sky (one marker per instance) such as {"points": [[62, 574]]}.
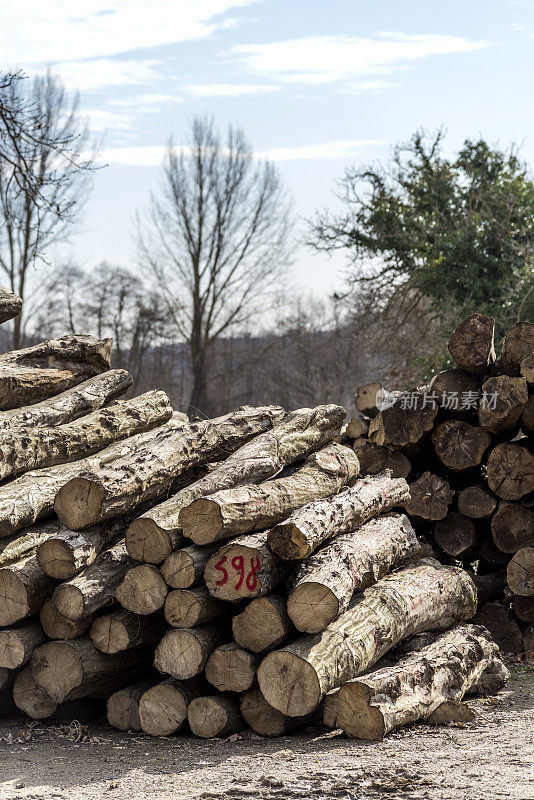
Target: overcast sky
{"points": [[317, 85]]}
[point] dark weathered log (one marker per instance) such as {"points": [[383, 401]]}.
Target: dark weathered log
{"points": [[45, 369], [503, 400], [457, 536], [476, 502], [108, 488], [248, 508], [183, 652], [230, 668], [56, 626], [17, 644], [10, 305], [7, 676], [163, 707], [490, 552], [517, 345], [307, 528], [428, 596], [184, 567], [527, 416], [520, 572], [95, 587], [23, 589], [471, 344], [64, 554], [460, 446], [152, 537], [122, 630], [216, 715], [512, 527], [430, 497], [374, 459], [457, 392], [123, 707], [263, 624], [510, 471], [524, 608], [526, 369], [70, 670], [142, 590], [31, 698], [372, 705], [324, 584], [266, 720], [23, 449], [185, 608], [404, 425], [490, 586], [502, 627], [244, 568], [366, 398]]}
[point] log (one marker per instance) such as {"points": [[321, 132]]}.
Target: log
{"points": [[186, 608], [182, 653], [123, 707], [325, 583], [215, 716], [451, 711], [23, 449], [248, 508], [524, 608], [510, 471], [264, 719], [366, 398], [526, 369], [490, 586], [230, 668], [476, 502], [23, 588], [31, 698], [121, 630], [70, 670], [184, 567], [460, 446], [43, 370], [94, 588], [356, 427], [471, 344], [520, 572], [245, 568], [18, 643], [428, 596], [56, 626], [512, 527], [518, 344], [405, 424], [430, 497], [374, 459], [163, 707], [307, 528], [108, 488], [70, 405], [263, 624], [457, 536], [142, 590], [156, 533], [10, 305], [371, 706], [458, 392], [26, 543], [527, 416], [65, 554], [502, 627], [490, 552], [502, 403]]}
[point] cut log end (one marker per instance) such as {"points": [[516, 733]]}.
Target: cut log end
{"points": [[31, 698], [356, 716], [520, 572], [109, 634], [69, 601], [288, 542], [179, 654], [57, 668], [56, 559], [312, 606], [142, 590], [202, 521], [289, 683], [163, 709], [78, 504], [214, 716], [147, 542], [14, 604]]}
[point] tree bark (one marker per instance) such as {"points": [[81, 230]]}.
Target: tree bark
{"points": [[510, 471], [156, 533], [527, 417], [64, 555], [17, 644], [476, 502], [374, 459], [123, 707], [402, 428], [121, 630], [24, 544], [23, 588], [266, 720], [471, 344], [308, 527], [517, 345], [142, 590], [460, 446], [56, 626], [324, 584], [70, 670], [186, 608], [43, 370], [10, 305], [245, 568], [215, 716], [430, 497], [185, 567], [182, 653], [457, 536], [526, 369], [108, 488], [23, 449], [94, 588], [163, 707], [248, 508], [263, 624], [230, 668], [428, 596], [503, 628], [503, 401], [512, 527], [454, 665], [520, 572]]}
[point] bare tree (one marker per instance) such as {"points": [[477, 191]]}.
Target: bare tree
{"points": [[215, 240], [44, 174]]}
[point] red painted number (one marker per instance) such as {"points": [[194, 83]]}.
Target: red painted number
{"points": [[252, 577], [238, 563], [220, 567]]}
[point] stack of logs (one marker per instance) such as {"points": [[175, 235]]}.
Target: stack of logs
{"points": [[247, 570]]}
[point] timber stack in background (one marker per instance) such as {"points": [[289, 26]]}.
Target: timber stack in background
{"points": [[263, 569]]}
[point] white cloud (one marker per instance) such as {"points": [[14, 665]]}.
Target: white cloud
{"points": [[359, 87], [347, 148], [141, 156], [228, 89], [97, 74], [325, 59], [101, 119]]}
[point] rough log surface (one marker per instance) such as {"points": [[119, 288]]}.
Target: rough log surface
{"points": [[18, 643], [10, 305], [215, 715], [163, 707], [404, 428], [263, 624], [123, 707], [31, 698], [185, 608], [374, 459], [510, 471], [471, 344], [23, 589], [56, 626], [518, 344], [520, 572], [182, 653], [430, 497], [504, 399], [460, 446], [231, 668], [184, 567], [476, 502], [512, 527], [122, 630], [26, 543], [64, 554]]}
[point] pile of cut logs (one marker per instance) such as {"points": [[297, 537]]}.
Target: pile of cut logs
{"points": [[252, 569]]}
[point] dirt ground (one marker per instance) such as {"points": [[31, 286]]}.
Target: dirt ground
{"points": [[489, 759]]}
